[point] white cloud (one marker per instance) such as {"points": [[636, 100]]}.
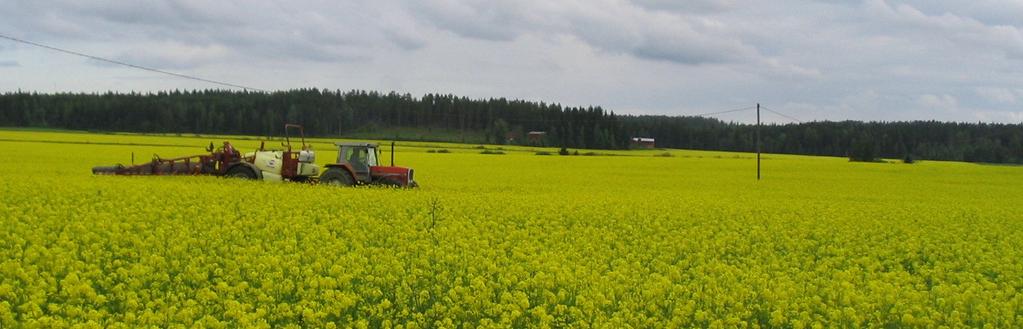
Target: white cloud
{"points": [[997, 95], [174, 55], [946, 103], [1000, 116]]}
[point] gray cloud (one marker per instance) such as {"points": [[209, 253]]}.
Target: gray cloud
{"points": [[642, 30], [344, 31], [495, 21], [989, 12], [694, 6], [954, 28], [824, 59]]}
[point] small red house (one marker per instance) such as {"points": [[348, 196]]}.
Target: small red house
{"points": [[512, 136]]}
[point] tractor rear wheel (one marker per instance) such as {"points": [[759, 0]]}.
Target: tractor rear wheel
{"points": [[337, 177], [240, 172]]}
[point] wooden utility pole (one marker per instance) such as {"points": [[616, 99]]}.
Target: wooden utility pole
{"points": [[758, 141]]}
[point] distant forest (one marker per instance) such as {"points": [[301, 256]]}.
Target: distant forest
{"points": [[327, 113]]}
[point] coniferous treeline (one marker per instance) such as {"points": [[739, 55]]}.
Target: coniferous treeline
{"points": [[336, 113]]}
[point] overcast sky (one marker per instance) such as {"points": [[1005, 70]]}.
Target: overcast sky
{"points": [[814, 60]]}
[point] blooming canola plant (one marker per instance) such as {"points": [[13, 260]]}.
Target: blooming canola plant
{"points": [[513, 240]]}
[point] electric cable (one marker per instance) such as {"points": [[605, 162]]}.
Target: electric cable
{"points": [[140, 67], [782, 114]]}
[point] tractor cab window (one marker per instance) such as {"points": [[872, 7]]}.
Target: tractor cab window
{"points": [[352, 155], [371, 157], [360, 158]]}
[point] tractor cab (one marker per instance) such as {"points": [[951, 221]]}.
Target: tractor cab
{"points": [[358, 164], [361, 157]]}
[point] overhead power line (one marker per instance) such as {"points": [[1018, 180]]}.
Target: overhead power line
{"points": [[782, 114], [723, 112], [140, 67]]}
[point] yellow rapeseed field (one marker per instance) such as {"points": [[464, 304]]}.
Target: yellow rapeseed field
{"points": [[513, 240]]}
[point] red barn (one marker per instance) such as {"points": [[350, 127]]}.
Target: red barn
{"points": [[535, 137]]}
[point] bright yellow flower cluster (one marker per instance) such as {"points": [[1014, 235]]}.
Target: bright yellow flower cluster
{"points": [[514, 240]]}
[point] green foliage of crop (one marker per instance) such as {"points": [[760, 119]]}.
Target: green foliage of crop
{"points": [[511, 241]]}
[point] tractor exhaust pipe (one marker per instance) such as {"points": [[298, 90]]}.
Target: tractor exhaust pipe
{"points": [[392, 153]]}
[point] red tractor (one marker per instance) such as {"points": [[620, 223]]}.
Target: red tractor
{"points": [[357, 165]]}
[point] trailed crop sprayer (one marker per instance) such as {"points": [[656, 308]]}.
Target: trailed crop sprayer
{"points": [[271, 165], [356, 164]]}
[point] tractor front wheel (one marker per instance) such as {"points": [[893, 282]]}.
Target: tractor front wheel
{"points": [[337, 177], [240, 172]]}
